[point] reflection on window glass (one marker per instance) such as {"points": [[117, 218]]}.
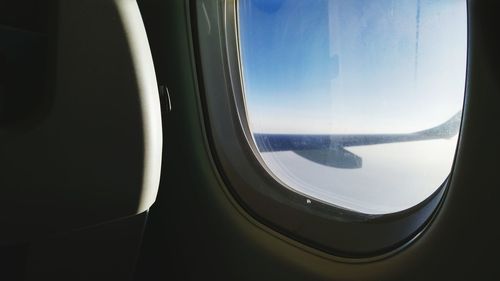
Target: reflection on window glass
{"points": [[355, 103]]}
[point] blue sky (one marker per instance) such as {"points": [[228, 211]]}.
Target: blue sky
{"points": [[352, 66]]}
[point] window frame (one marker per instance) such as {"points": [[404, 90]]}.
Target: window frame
{"points": [[343, 234]]}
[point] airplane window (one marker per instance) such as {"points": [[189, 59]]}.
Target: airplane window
{"points": [[356, 104]]}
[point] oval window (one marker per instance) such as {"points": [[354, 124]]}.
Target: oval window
{"points": [[356, 104]]}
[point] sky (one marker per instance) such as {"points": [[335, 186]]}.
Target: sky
{"points": [[356, 67], [352, 66]]}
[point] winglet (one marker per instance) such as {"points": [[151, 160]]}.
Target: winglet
{"points": [[444, 131]]}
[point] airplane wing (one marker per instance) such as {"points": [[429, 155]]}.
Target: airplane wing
{"points": [[329, 150]]}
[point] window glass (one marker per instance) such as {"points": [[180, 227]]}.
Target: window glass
{"points": [[355, 103]]}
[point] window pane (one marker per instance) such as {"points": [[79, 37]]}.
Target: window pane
{"points": [[355, 103]]}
